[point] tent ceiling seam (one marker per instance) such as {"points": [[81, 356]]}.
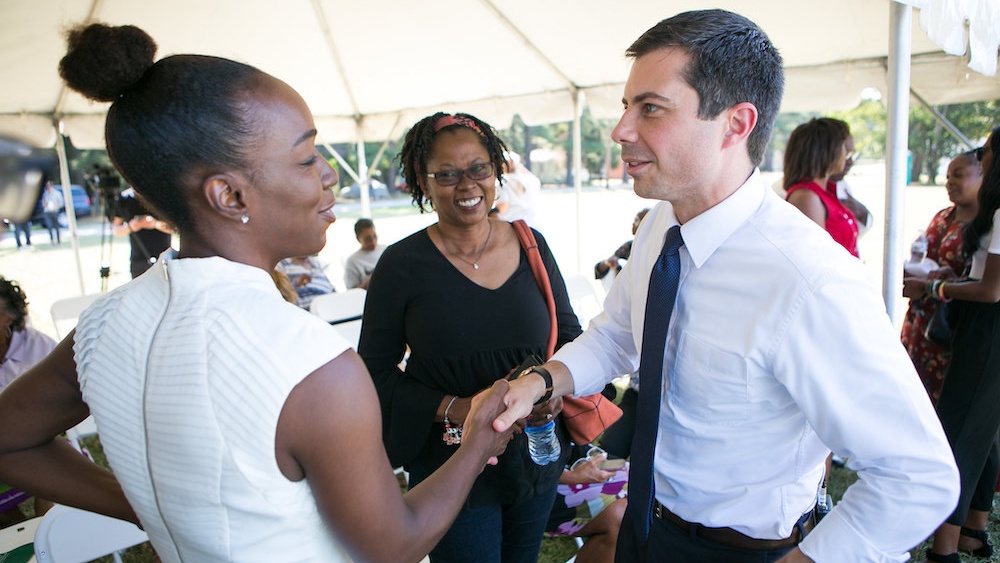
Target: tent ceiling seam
{"points": [[531, 46], [335, 53]]}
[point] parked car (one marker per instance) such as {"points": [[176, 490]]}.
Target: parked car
{"points": [[81, 204], [378, 190]]}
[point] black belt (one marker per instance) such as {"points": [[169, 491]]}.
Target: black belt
{"points": [[730, 537]]}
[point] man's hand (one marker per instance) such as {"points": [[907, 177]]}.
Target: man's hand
{"points": [[477, 432], [520, 400]]}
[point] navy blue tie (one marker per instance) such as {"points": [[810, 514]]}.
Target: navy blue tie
{"points": [[659, 306]]}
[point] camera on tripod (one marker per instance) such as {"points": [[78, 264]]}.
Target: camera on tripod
{"points": [[105, 183]]}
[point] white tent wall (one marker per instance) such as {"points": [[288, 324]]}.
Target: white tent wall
{"points": [[364, 68]]}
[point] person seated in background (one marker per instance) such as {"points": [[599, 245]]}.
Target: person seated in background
{"points": [[360, 265], [516, 198], [590, 502], [816, 151], [307, 277], [20, 348], [285, 286], [604, 267]]}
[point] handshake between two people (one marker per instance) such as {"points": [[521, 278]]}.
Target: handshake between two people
{"points": [[491, 417]]}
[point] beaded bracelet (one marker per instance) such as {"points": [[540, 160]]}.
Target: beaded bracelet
{"points": [[452, 432], [932, 288], [940, 292]]}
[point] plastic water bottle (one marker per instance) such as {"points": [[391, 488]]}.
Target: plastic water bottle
{"points": [[543, 444], [918, 250]]}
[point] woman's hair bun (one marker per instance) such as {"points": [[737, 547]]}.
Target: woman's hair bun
{"points": [[102, 61]]}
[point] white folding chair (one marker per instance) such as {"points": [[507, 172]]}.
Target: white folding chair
{"points": [[65, 312], [16, 541], [343, 310], [584, 296], [71, 535]]}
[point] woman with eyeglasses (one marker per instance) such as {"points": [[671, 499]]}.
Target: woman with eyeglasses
{"points": [[239, 427], [816, 151], [971, 390], [461, 298]]}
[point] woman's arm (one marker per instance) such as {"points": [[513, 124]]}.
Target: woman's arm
{"points": [[586, 472], [329, 433], [986, 290], [35, 410], [810, 204]]}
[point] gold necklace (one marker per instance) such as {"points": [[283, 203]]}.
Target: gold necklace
{"points": [[475, 263]]}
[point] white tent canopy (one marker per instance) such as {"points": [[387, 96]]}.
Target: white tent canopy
{"points": [[370, 69]]}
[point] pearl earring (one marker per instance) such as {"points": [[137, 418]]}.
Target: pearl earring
{"points": [[245, 219]]}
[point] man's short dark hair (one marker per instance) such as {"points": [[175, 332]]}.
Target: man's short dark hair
{"points": [[732, 61], [361, 225]]}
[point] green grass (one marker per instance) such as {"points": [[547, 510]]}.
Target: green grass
{"points": [[841, 478]]}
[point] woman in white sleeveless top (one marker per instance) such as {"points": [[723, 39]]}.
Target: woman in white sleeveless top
{"points": [[238, 427]]}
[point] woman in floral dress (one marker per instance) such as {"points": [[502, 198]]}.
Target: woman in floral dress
{"points": [[944, 246]]}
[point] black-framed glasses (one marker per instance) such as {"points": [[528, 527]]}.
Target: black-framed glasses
{"points": [[979, 153], [449, 178]]}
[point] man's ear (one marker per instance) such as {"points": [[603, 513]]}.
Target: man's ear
{"points": [[740, 122], [224, 195]]}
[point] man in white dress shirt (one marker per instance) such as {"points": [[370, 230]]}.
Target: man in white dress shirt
{"points": [[778, 349]]}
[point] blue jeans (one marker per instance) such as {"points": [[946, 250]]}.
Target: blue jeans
{"points": [[495, 533], [52, 224], [22, 228]]}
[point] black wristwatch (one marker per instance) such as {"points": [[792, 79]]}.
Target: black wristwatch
{"points": [[546, 376]]}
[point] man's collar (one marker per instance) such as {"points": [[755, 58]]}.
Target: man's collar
{"points": [[706, 232]]}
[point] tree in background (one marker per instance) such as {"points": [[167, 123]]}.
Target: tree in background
{"points": [[600, 153], [868, 127], [930, 141]]}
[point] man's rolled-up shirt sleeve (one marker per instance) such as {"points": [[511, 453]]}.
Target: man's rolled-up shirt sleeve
{"points": [[843, 364]]}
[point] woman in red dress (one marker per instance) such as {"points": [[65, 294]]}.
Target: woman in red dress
{"points": [[817, 150]]}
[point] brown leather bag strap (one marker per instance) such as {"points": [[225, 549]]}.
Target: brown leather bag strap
{"points": [[530, 247]]}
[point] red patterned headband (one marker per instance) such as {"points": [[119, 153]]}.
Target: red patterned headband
{"points": [[447, 120]]}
